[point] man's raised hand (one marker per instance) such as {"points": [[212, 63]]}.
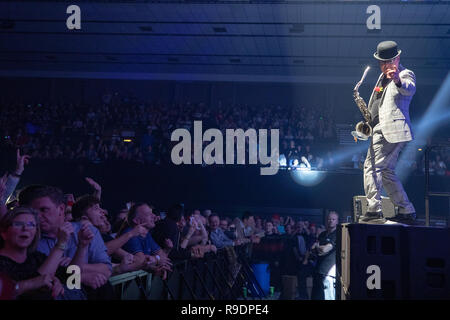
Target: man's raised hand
{"points": [[21, 161]]}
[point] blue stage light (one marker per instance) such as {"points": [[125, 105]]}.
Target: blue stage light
{"points": [[307, 177], [436, 115]]}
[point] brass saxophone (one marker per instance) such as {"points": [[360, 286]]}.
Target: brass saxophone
{"points": [[363, 130]]}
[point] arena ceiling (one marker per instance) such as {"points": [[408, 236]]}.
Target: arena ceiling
{"points": [[292, 41]]}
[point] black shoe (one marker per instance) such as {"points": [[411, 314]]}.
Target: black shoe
{"points": [[409, 219], [372, 218]]}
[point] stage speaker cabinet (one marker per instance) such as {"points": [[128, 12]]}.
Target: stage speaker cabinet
{"points": [[360, 207], [361, 247], [392, 262]]}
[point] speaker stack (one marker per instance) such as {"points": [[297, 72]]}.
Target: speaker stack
{"points": [[411, 262]]}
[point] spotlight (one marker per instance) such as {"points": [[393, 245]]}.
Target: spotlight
{"points": [[307, 177]]}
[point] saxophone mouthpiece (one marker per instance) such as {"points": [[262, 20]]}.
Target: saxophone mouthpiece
{"points": [[362, 79]]}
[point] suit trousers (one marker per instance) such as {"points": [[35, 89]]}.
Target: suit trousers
{"points": [[379, 173]]}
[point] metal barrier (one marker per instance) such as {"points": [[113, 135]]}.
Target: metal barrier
{"points": [[209, 278], [132, 285]]}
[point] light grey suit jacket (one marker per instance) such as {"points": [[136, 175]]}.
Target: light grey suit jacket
{"points": [[393, 112]]}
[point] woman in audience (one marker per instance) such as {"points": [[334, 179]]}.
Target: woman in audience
{"points": [[33, 272]]}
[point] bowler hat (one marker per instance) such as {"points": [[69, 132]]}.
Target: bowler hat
{"points": [[387, 50]]}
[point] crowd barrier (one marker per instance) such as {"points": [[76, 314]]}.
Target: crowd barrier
{"points": [[212, 277]]}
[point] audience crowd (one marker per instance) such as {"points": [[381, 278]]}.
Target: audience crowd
{"points": [[122, 128], [43, 231]]}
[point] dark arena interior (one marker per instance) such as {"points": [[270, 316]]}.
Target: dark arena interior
{"points": [[235, 150]]}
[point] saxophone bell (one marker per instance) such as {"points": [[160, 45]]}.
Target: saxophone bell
{"points": [[363, 131]]}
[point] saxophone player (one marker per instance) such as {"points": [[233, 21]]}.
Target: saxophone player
{"points": [[389, 109]]}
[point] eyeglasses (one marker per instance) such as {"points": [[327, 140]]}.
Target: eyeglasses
{"points": [[21, 224]]}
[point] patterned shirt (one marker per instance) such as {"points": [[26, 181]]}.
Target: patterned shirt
{"points": [[376, 103]]}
